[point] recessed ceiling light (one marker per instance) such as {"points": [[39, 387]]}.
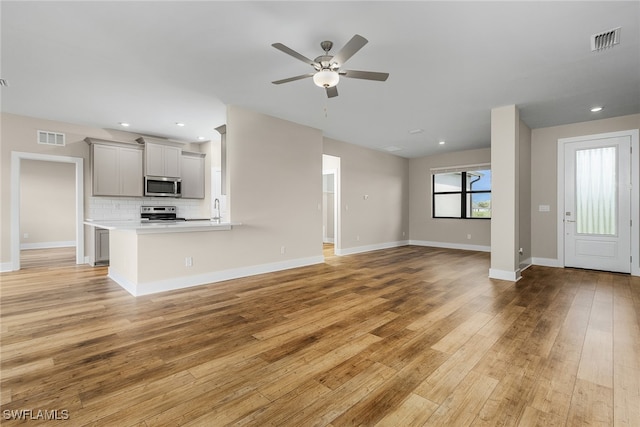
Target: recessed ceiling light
{"points": [[596, 109], [124, 124], [441, 142], [392, 148], [179, 124], [416, 131], [201, 138]]}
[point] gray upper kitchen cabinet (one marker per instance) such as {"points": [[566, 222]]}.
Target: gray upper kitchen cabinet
{"points": [[192, 175], [162, 160], [116, 168]]}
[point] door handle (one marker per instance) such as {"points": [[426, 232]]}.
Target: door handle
{"points": [[569, 220]]}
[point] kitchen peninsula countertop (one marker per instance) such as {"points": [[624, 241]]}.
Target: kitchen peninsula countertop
{"points": [[142, 227]]}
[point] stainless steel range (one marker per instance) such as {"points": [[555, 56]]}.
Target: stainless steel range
{"points": [[159, 214]]}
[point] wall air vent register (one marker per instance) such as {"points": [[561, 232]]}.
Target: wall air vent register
{"points": [[51, 138], [605, 39]]}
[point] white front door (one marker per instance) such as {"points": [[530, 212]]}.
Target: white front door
{"points": [[597, 204]]}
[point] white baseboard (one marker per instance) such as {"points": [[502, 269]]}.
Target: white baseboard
{"points": [[6, 266], [124, 283], [47, 245], [328, 240], [524, 264], [546, 262], [445, 245], [369, 248], [511, 276], [207, 278]]}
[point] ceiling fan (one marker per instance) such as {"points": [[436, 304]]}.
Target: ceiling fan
{"points": [[327, 67]]}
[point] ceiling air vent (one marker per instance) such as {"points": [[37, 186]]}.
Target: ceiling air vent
{"points": [[51, 138], [605, 39]]}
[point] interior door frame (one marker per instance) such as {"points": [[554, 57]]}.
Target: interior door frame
{"points": [[16, 159], [635, 193], [337, 219]]}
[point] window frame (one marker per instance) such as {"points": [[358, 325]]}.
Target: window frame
{"points": [[464, 193]]}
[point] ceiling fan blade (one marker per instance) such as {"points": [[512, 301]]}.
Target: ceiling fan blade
{"points": [[355, 44], [293, 53], [366, 75], [332, 92], [292, 79]]}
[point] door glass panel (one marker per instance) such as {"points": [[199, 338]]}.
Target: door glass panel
{"points": [[596, 191]]}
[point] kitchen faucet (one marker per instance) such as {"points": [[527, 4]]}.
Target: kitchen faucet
{"points": [[216, 207]]}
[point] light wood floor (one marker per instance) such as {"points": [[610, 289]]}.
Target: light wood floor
{"points": [[48, 258], [398, 337]]}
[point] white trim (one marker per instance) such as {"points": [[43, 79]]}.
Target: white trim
{"points": [[208, 278], [47, 245], [635, 194], [546, 262], [461, 168], [16, 158], [445, 245], [635, 202], [124, 283], [511, 276], [525, 264], [6, 266], [369, 248], [337, 201]]}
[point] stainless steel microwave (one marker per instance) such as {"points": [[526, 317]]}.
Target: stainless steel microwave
{"points": [[160, 186]]}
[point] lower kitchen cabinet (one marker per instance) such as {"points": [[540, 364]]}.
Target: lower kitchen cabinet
{"points": [[102, 246]]}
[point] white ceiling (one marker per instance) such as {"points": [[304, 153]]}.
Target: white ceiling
{"points": [[153, 64]]}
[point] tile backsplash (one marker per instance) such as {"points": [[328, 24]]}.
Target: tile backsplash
{"points": [[127, 208]]}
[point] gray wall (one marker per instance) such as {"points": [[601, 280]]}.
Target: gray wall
{"points": [[374, 197], [524, 212], [47, 204], [544, 182], [424, 228]]}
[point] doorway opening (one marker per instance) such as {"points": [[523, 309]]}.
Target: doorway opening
{"points": [[47, 214], [330, 204], [18, 160]]}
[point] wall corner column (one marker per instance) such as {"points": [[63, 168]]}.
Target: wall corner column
{"points": [[505, 140]]}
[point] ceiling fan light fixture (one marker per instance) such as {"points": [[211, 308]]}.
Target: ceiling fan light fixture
{"points": [[326, 78]]}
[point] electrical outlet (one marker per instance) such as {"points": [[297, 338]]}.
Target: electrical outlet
{"points": [[468, 236], [26, 235], [283, 250], [188, 261], [358, 237]]}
